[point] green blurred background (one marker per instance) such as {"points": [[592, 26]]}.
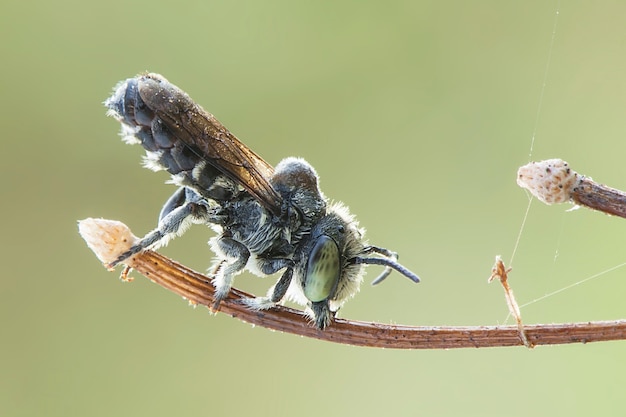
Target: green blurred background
{"points": [[416, 114]]}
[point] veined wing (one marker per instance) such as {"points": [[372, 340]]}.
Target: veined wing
{"points": [[150, 101]]}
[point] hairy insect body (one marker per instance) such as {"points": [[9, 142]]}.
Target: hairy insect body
{"points": [[266, 220], [338, 239]]}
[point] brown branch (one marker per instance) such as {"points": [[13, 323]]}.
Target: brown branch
{"points": [[553, 181], [108, 238]]}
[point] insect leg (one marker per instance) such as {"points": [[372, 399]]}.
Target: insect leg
{"points": [[176, 200], [181, 210], [234, 256], [275, 294], [270, 266]]}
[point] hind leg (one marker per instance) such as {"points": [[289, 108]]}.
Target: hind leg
{"points": [[181, 210]]}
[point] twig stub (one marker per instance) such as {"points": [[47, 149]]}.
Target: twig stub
{"points": [[553, 181], [106, 238], [500, 272]]}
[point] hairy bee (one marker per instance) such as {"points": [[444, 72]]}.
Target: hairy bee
{"points": [[266, 219]]}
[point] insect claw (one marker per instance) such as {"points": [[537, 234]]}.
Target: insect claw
{"points": [[215, 307]]}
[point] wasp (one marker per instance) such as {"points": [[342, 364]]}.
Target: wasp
{"points": [[266, 220]]}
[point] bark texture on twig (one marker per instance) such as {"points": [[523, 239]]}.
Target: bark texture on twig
{"points": [[195, 287], [101, 235]]}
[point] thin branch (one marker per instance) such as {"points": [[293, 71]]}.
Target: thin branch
{"points": [[109, 238], [553, 181]]}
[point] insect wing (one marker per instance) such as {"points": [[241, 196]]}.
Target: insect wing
{"points": [[205, 135]]}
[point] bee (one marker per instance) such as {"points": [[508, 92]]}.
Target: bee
{"points": [[265, 219]]}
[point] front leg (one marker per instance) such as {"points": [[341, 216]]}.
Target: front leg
{"points": [[275, 295], [233, 259]]}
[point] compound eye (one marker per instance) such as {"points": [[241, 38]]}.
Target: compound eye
{"points": [[322, 272]]}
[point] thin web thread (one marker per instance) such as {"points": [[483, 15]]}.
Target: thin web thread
{"points": [[532, 143], [545, 79], [606, 271], [537, 116], [521, 230]]}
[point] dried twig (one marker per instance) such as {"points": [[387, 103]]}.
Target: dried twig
{"points": [[108, 239], [501, 272], [553, 181]]}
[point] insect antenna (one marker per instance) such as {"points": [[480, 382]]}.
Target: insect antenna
{"points": [[389, 261]]}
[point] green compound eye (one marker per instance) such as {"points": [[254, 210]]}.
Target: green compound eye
{"points": [[322, 273]]}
